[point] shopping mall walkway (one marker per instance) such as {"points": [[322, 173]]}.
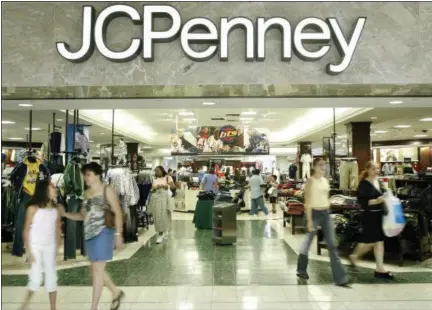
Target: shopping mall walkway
{"points": [[189, 272]]}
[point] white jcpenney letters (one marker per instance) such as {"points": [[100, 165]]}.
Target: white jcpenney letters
{"points": [[310, 30]]}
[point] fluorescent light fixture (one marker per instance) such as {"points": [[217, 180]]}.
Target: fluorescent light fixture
{"points": [[420, 136], [33, 129], [91, 141], [190, 119], [25, 105], [427, 119], [396, 102], [16, 139], [209, 103], [246, 119], [59, 119], [186, 113], [381, 131], [248, 113], [102, 133], [416, 143], [374, 117], [402, 126], [7, 122]]}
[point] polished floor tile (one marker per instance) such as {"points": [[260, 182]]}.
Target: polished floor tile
{"points": [[237, 298]]}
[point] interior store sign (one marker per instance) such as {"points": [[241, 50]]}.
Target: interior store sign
{"points": [[309, 40]]}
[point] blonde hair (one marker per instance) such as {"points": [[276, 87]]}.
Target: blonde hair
{"points": [[365, 173]]}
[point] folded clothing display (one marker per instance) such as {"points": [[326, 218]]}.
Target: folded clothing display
{"points": [[206, 195], [341, 200], [294, 207]]}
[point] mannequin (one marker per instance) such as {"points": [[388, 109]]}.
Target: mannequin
{"points": [[306, 160], [122, 152]]}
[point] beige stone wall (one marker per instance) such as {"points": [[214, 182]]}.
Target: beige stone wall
{"points": [[395, 47]]}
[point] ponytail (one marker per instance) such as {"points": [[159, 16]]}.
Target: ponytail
{"points": [[365, 173]]}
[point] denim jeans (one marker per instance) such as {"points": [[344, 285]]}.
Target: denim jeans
{"points": [[73, 230], [256, 204], [18, 244], [321, 218]]}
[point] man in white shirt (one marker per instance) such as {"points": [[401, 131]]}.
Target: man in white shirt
{"points": [[306, 160], [257, 199]]}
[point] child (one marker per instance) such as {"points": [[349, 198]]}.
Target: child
{"points": [[274, 192], [42, 231]]}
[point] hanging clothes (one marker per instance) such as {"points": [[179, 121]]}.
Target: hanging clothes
{"points": [[145, 181], [123, 181], [349, 174], [26, 174], [73, 179]]}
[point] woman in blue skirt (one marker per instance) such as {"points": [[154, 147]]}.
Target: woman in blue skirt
{"points": [[100, 236]]}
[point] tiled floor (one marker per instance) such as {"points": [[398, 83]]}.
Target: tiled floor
{"points": [[188, 272], [260, 257], [319, 297]]}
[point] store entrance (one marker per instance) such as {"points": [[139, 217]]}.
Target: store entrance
{"points": [[231, 137]]}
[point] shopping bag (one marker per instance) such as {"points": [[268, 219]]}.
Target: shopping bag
{"points": [[394, 221], [271, 190]]}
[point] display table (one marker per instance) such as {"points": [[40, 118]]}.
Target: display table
{"points": [[203, 214], [190, 199]]}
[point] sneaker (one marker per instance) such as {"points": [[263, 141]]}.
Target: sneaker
{"points": [[303, 276], [166, 235], [159, 239]]}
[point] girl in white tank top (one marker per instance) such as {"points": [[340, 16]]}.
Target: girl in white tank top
{"points": [[41, 240]]}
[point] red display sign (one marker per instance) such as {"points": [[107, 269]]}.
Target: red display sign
{"points": [[228, 134]]}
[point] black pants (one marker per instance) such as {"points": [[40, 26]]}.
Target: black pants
{"points": [[18, 244]]}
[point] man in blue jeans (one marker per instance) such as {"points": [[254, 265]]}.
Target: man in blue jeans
{"points": [[257, 199]]}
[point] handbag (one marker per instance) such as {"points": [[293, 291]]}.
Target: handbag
{"points": [[271, 190], [170, 193], [109, 216]]}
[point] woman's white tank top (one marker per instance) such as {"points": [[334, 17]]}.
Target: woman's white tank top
{"points": [[319, 194], [44, 227]]}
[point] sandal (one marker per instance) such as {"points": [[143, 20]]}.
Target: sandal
{"points": [[115, 304], [352, 261]]}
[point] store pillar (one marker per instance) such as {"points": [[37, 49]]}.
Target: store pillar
{"points": [[360, 141], [305, 157]]}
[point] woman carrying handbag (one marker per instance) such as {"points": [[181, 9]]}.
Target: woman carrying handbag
{"points": [[103, 229], [162, 203]]}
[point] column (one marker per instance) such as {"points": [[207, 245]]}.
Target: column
{"points": [[305, 158], [359, 134]]}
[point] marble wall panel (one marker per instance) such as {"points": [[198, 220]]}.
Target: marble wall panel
{"points": [[395, 47]]}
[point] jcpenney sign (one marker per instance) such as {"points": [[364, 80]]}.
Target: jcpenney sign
{"points": [[311, 30]]}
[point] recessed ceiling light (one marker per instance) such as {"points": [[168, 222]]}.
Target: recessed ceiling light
{"points": [[420, 136], [427, 119], [91, 141], [381, 131], [33, 129], [7, 122], [191, 119], [416, 143], [186, 113], [16, 139], [209, 103], [102, 133], [59, 119], [26, 105], [396, 102], [402, 126], [248, 113], [246, 119], [374, 117]]}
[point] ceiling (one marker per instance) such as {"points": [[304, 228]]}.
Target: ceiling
{"points": [[385, 120], [43, 119], [224, 103]]}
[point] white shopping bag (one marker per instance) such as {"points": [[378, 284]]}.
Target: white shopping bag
{"points": [[394, 220]]}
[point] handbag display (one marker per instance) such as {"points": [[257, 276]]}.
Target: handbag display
{"points": [[109, 216]]}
